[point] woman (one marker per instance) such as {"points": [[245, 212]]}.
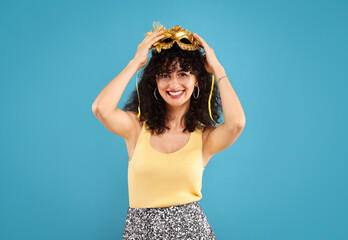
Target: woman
{"points": [[169, 132]]}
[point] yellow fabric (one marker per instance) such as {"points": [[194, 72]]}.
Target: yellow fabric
{"points": [[157, 179], [210, 95]]}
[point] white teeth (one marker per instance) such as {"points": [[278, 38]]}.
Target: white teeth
{"points": [[175, 93]]}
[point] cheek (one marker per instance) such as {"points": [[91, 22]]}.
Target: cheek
{"points": [[161, 86]]}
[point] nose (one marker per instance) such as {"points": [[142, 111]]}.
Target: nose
{"points": [[173, 80]]}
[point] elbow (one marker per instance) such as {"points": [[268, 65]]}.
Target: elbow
{"points": [[236, 125], [241, 123], [99, 112], [94, 108]]}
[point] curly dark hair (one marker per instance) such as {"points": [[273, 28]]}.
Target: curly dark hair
{"points": [[154, 111]]}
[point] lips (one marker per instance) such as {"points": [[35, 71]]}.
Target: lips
{"points": [[175, 92]]}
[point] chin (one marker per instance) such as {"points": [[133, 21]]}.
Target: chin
{"points": [[177, 103]]}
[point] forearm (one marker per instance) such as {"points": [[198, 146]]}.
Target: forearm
{"points": [[109, 97], [231, 107]]}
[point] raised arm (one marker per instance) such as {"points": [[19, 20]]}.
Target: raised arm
{"points": [[105, 105], [223, 136]]}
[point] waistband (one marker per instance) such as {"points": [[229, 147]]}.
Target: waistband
{"points": [[176, 207]]}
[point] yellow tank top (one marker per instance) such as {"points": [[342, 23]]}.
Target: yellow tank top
{"points": [[157, 179]]}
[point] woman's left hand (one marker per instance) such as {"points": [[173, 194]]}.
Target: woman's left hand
{"points": [[211, 63]]}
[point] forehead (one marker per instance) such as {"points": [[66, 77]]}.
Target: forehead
{"points": [[174, 67]]}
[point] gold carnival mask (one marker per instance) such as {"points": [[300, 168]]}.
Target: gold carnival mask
{"points": [[181, 36], [185, 40]]}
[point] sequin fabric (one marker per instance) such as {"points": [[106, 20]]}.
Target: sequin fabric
{"points": [[186, 221]]}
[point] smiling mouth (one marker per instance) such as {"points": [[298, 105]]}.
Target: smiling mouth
{"points": [[176, 93]]}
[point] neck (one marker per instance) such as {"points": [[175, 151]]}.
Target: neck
{"points": [[176, 116]]}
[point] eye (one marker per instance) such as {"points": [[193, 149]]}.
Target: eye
{"points": [[183, 74], [185, 40], [162, 75], [167, 40]]}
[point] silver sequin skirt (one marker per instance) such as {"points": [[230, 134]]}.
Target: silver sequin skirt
{"points": [[186, 221]]}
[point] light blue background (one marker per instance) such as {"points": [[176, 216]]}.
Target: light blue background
{"points": [[63, 175]]}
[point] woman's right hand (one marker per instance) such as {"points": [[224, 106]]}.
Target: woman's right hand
{"points": [[144, 47]]}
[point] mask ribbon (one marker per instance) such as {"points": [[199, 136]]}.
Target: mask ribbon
{"points": [[211, 93], [136, 82]]}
